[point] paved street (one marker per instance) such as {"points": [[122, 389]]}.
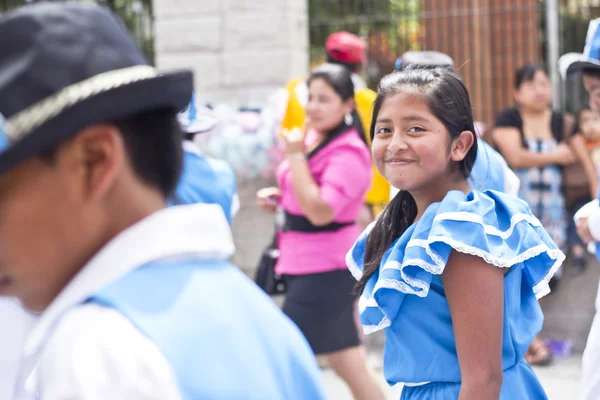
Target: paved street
{"points": [[561, 380]]}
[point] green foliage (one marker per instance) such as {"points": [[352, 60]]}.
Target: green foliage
{"points": [[390, 27], [135, 14]]}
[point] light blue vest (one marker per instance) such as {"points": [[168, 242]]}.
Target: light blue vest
{"points": [[224, 339], [205, 180], [488, 169]]}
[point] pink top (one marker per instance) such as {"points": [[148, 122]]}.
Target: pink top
{"points": [[343, 172]]}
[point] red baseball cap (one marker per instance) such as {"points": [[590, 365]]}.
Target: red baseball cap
{"points": [[346, 47]]}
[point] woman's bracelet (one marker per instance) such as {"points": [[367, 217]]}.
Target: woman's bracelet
{"points": [[298, 155]]}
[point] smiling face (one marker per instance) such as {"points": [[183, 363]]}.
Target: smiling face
{"points": [[412, 148]]}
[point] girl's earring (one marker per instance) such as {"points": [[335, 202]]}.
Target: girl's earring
{"points": [[348, 119]]}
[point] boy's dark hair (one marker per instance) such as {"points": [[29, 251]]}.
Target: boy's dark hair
{"points": [[153, 144], [595, 72]]}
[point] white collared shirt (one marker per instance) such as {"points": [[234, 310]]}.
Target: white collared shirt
{"points": [[594, 224], [15, 325], [93, 352]]}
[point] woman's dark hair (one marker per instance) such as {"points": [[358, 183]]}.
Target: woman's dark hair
{"points": [[340, 80], [448, 100], [352, 67], [526, 74]]}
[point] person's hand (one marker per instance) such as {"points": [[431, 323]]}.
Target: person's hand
{"points": [[583, 230], [294, 141], [268, 198], [564, 155]]}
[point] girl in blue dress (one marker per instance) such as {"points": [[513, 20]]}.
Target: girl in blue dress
{"points": [[451, 274]]}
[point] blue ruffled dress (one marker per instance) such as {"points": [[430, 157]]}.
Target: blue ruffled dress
{"points": [[406, 297]]}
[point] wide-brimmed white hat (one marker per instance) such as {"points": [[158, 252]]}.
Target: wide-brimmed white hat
{"points": [[572, 63]]}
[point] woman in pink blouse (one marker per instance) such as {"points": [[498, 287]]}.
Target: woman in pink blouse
{"points": [[322, 186]]}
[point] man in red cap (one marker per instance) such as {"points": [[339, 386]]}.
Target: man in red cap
{"points": [[349, 50]]}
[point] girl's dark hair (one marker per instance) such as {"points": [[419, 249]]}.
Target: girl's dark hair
{"points": [[526, 74], [448, 100], [340, 80]]}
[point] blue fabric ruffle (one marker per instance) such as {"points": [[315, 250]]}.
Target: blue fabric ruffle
{"points": [[496, 227]]}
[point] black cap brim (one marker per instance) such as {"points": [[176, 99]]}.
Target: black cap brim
{"points": [[573, 63], [165, 91], [581, 66]]}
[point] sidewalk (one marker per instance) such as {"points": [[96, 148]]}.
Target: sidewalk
{"points": [[561, 380]]}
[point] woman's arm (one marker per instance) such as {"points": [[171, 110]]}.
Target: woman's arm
{"points": [[577, 144], [509, 142], [475, 293], [308, 193]]}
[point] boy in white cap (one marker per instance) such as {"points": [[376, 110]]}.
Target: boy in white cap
{"points": [[588, 219]]}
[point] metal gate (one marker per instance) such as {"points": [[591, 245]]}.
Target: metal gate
{"points": [[488, 39]]}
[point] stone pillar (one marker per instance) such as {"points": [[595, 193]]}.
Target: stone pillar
{"points": [[240, 50]]}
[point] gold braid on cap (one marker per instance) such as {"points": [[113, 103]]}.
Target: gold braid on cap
{"points": [[21, 124]]}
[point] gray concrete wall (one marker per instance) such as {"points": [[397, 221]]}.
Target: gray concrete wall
{"points": [[240, 50]]}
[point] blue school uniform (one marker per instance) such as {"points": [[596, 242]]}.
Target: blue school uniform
{"points": [[206, 180], [266, 358], [489, 169], [406, 296]]}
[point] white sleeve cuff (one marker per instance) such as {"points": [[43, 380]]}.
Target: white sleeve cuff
{"points": [[594, 225]]}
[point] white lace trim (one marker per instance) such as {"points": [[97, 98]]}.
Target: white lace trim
{"points": [[424, 286], [540, 289], [353, 267], [489, 258], [409, 285], [385, 322], [364, 302], [464, 216]]}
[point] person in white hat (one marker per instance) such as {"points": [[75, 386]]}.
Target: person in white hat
{"points": [[204, 179], [588, 219]]}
